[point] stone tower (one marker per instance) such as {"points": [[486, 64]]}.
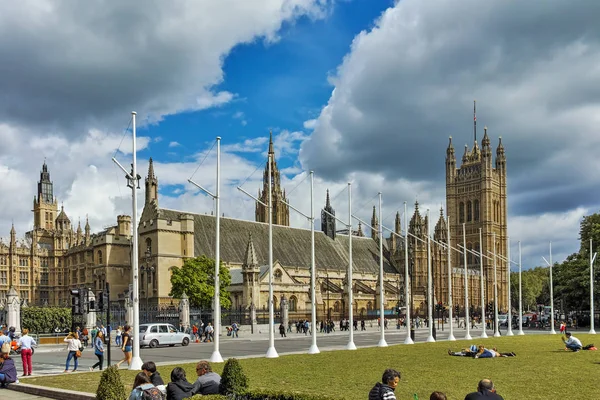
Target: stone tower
{"points": [[44, 204], [250, 277], [374, 225], [281, 212], [151, 185], [418, 260], [327, 221], [476, 196]]}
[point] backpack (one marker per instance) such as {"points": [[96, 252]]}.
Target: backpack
{"points": [[152, 393]]}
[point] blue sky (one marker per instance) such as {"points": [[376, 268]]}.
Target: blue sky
{"points": [[278, 85]]}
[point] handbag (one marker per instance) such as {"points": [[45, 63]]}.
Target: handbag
{"points": [[78, 353]]}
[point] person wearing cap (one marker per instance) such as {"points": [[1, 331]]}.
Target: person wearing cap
{"points": [[471, 351]]}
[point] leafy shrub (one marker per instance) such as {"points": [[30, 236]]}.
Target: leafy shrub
{"points": [[233, 379], [45, 319], [261, 395], [110, 386]]}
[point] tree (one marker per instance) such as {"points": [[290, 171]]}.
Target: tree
{"points": [[196, 279], [535, 286]]}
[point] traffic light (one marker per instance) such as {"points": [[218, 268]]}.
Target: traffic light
{"points": [[101, 301], [75, 302], [457, 309]]}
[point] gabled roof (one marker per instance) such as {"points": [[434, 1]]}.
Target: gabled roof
{"points": [[291, 246]]}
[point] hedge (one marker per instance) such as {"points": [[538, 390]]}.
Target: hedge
{"points": [[262, 395], [45, 319]]}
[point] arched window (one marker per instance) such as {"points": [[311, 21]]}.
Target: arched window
{"points": [[149, 245], [461, 212], [100, 261], [278, 274], [469, 211], [274, 303], [293, 303], [476, 210], [369, 306]]}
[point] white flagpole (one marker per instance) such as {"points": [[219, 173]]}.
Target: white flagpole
{"points": [[451, 334], [314, 349], [429, 285], [271, 352], [552, 331], [382, 342], [467, 322], [520, 297], [216, 355], [136, 361], [496, 328], [509, 331], [350, 345], [592, 258], [483, 322], [407, 303]]}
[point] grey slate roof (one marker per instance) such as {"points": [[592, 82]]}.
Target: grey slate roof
{"points": [[291, 246]]}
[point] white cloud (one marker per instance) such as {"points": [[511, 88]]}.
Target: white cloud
{"points": [[174, 144], [310, 124]]}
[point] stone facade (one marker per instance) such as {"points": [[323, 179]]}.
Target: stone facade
{"points": [[53, 258]]}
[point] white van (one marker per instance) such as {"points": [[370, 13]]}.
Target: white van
{"points": [[162, 334]]}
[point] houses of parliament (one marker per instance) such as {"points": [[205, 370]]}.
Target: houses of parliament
{"points": [[54, 256]]}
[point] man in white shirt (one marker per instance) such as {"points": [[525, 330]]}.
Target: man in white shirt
{"points": [[572, 342]]}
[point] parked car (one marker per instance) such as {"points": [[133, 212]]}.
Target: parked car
{"points": [[162, 334], [503, 319]]}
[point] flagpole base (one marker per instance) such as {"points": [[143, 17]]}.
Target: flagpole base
{"points": [[552, 331], [520, 333], [313, 349], [408, 340], [216, 357], [451, 338], [136, 364], [468, 337], [592, 332], [382, 343], [496, 334], [430, 339], [351, 345], [510, 333], [483, 335], [272, 353]]}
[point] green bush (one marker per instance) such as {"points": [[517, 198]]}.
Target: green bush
{"points": [[110, 386], [45, 319], [261, 395], [233, 378]]}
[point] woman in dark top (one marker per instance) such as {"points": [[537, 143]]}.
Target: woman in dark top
{"points": [[127, 345], [8, 370], [179, 388]]}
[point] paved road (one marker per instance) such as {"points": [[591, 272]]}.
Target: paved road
{"points": [[50, 359]]}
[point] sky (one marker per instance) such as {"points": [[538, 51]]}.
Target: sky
{"points": [[360, 91]]}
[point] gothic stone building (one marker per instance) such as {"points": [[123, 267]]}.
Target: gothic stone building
{"points": [[53, 257]]}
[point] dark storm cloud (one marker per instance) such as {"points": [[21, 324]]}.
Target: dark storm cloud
{"points": [[409, 83]]}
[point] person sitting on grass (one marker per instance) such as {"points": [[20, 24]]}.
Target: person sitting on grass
{"points": [[179, 388], [208, 381], [469, 352], [8, 370], [149, 368], [571, 342], [385, 389], [438, 396], [141, 383], [485, 390]]}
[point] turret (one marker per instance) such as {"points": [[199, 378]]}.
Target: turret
{"points": [[360, 232], [13, 237], [465, 158], [500, 156], [486, 153], [151, 185], [250, 276], [450, 160], [79, 233], [441, 232], [327, 219], [374, 225], [87, 230]]}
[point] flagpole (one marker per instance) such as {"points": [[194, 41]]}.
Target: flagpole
{"points": [[271, 352], [520, 297], [496, 329], [382, 342], [467, 322], [592, 258], [483, 324], [313, 349], [552, 331], [350, 345], [407, 303], [450, 300], [429, 284], [509, 331]]}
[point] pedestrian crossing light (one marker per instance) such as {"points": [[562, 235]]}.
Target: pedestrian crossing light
{"points": [[75, 302]]}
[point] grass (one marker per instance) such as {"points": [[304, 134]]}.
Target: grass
{"points": [[541, 370]]}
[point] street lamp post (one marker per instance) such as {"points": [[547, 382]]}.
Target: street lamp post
{"points": [[552, 331], [592, 258]]}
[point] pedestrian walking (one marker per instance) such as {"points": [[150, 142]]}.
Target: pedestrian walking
{"points": [[99, 350], [118, 336], [127, 346], [25, 343], [74, 348], [282, 330]]}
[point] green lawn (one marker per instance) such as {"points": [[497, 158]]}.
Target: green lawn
{"points": [[541, 370]]}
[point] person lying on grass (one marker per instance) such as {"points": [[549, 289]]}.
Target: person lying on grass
{"points": [[468, 352], [491, 353]]}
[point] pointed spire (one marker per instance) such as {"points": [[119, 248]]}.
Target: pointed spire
{"points": [[465, 157], [13, 232], [360, 233], [151, 169], [87, 223], [486, 139], [79, 227], [500, 156], [474, 122], [271, 151], [250, 259], [374, 216], [327, 201]]}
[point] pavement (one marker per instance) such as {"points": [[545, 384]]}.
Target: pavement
{"points": [[13, 395]]}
